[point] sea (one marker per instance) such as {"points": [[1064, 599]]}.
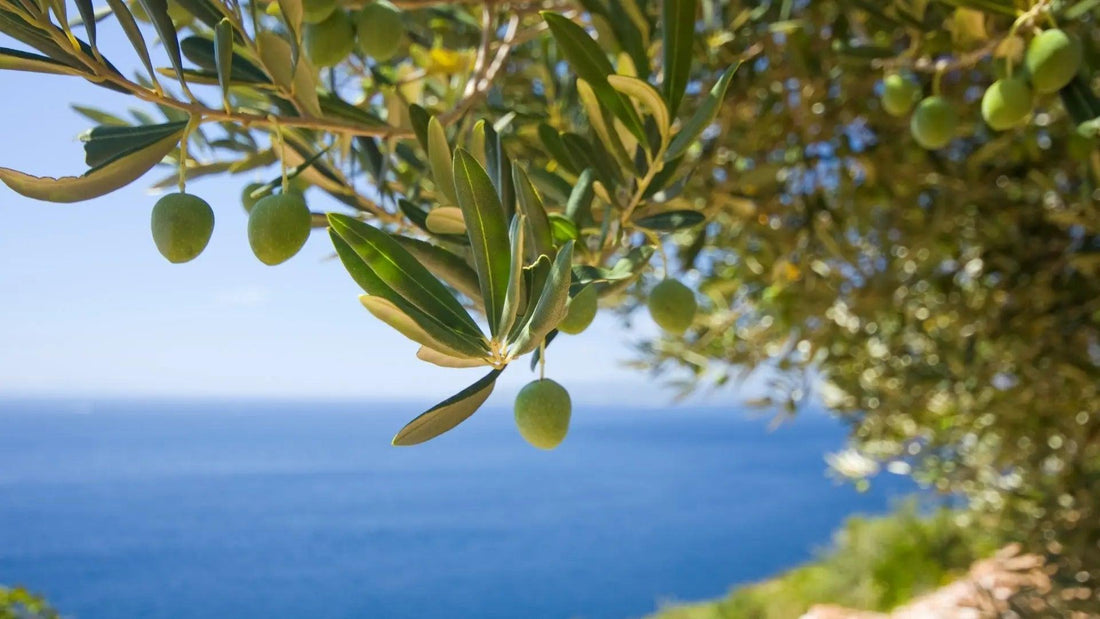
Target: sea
{"points": [[177, 509]]}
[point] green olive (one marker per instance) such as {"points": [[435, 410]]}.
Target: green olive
{"points": [[933, 123], [278, 227], [672, 306], [317, 11], [899, 94], [182, 225], [1006, 103], [542, 413], [581, 312], [379, 29], [246, 196], [331, 41], [1052, 59]]}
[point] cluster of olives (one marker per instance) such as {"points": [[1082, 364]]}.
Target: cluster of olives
{"points": [[331, 33], [1051, 61], [278, 225]]}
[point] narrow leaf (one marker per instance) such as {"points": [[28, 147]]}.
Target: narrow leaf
{"points": [[403, 274], [591, 64], [444, 360], [16, 60], [157, 10], [96, 182], [223, 56], [88, 18], [647, 95], [439, 158], [487, 230], [448, 413], [107, 142], [513, 297], [579, 206], [551, 306], [389, 313], [133, 33], [702, 117], [678, 22], [531, 208], [447, 266], [671, 220]]}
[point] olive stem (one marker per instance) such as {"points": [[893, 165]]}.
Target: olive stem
{"points": [[542, 359]]}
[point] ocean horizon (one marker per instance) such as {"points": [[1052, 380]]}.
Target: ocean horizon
{"points": [[173, 508]]}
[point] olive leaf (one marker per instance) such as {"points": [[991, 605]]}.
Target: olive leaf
{"points": [[579, 207], [551, 305], [439, 159], [513, 297], [449, 267], [133, 33], [402, 274], [16, 60], [531, 208], [106, 142], [443, 360], [678, 37], [648, 96], [88, 18], [119, 171], [671, 220], [389, 313], [157, 10], [223, 57], [702, 117], [487, 230], [601, 125], [551, 140], [591, 64], [448, 413]]}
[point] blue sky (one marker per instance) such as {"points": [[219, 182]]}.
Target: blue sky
{"points": [[89, 308]]}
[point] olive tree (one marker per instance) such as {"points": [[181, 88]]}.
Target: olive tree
{"points": [[889, 204]]}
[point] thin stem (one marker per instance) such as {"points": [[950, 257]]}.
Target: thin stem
{"points": [[542, 359]]}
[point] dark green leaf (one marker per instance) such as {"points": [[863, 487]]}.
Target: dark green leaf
{"points": [[671, 220], [579, 207], [107, 142], [448, 413], [531, 207], [451, 268], [513, 297], [201, 51], [133, 33], [551, 305], [88, 18], [551, 139], [162, 23], [223, 56], [487, 230], [403, 274], [16, 60], [419, 117], [203, 10], [678, 37], [591, 64], [499, 168]]}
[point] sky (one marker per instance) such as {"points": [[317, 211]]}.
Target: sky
{"points": [[89, 308]]}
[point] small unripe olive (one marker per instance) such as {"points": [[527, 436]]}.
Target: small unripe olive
{"points": [[278, 227], [933, 123], [1052, 59], [329, 42], [317, 11], [379, 29], [899, 94], [1006, 103], [672, 306], [581, 312], [542, 413], [182, 225]]}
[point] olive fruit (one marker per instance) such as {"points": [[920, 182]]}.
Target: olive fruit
{"points": [[330, 41], [380, 29], [1006, 103], [542, 413], [933, 123], [899, 94], [182, 225], [278, 226], [1052, 59], [672, 306], [246, 196], [317, 11], [582, 309]]}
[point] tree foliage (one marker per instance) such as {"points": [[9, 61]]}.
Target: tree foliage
{"points": [[933, 279]]}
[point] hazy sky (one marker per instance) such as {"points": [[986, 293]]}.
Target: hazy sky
{"points": [[88, 306]]}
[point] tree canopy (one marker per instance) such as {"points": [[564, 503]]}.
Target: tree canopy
{"points": [[892, 206]]}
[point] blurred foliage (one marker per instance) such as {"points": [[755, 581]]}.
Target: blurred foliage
{"points": [[873, 564], [945, 303], [18, 603]]}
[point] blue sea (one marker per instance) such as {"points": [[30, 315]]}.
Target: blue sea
{"points": [[206, 509]]}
